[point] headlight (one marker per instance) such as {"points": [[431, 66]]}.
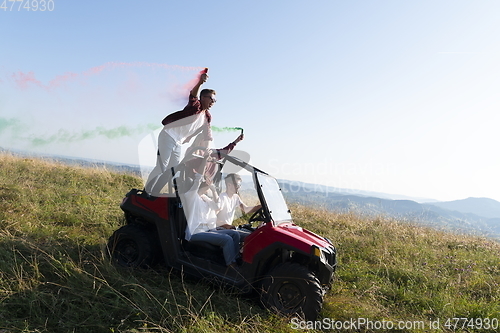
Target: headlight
{"points": [[325, 254], [316, 251]]}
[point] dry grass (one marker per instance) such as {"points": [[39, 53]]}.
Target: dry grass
{"points": [[55, 275]]}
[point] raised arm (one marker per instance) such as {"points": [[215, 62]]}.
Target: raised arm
{"points": [[203, 78], [201, 168]]}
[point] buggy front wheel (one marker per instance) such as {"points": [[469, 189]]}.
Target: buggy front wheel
{"points": [[291, 289]]}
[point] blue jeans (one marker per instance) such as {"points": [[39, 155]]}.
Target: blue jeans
{"points": [[228, 239]]}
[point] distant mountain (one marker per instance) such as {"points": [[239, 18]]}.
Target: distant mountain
{"points": [[409, 210], [480, 206], [81, 162], [308, 187]]}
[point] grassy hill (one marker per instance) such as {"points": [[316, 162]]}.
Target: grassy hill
{"points": [[55, 275]]}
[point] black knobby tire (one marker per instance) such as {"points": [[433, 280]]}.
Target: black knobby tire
{"points": [[133, 246], [291, 289]]}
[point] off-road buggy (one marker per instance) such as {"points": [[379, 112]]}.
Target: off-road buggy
{"points": [[288, 266]]}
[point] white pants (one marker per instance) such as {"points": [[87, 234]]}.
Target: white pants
{"points": [[169, 155]]}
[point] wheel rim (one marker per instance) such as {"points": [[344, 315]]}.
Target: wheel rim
{"points": [[289, 296], [127, 252]]}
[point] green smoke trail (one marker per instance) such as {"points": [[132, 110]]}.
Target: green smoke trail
{"points": [[225, 129], [64, 136], [11, 123], [15, 126]]}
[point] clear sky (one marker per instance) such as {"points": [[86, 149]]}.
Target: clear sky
{"points": [[390, 96]]}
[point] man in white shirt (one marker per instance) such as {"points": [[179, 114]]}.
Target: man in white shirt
{"points": [[229, 202]]}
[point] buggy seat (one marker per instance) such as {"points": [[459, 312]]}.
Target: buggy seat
{"points": [[198, 248]]}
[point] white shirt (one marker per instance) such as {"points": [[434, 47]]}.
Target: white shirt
{"points": [[180, 133], [228, 207], [200, 210]]}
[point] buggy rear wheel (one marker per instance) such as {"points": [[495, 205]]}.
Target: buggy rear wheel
{"points": [[133, 246], [292, 289]]}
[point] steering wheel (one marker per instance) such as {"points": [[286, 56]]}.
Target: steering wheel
{"points": [[258, 215]]}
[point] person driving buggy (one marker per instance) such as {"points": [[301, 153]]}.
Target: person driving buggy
{"points": [[229, 201]]}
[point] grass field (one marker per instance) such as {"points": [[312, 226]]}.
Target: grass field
{"points": [[55, 275]]}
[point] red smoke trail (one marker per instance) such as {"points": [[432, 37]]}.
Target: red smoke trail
{"points": [[113, 65], [60, 79], [23, 80]]}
